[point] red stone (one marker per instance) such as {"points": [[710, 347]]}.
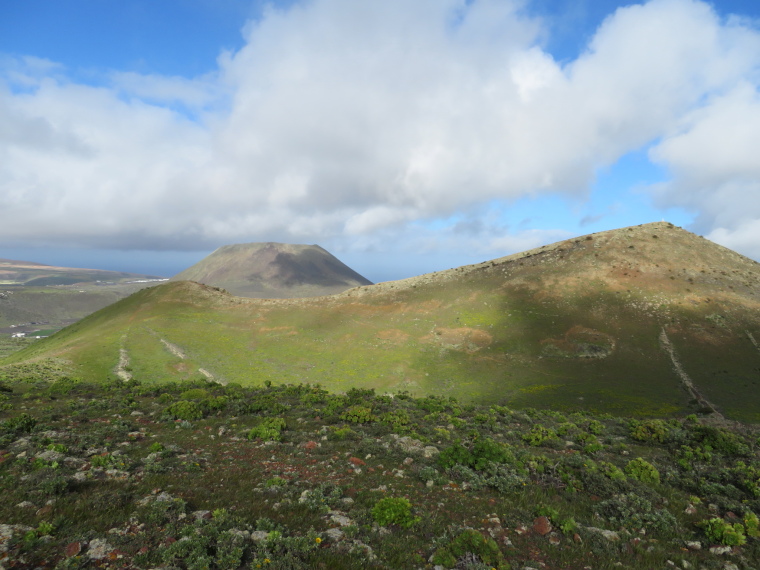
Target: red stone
{"points": [[309, 445], [356, 461], [542, 526], [73, 548]]}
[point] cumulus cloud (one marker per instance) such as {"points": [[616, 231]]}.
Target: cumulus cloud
{"points": [[713, 158], [359, 119]]}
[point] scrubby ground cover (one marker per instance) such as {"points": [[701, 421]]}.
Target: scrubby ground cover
{"points": [[198, 475], [9, 345]]}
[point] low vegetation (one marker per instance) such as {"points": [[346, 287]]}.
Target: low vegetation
{"points": [[198, 475]]}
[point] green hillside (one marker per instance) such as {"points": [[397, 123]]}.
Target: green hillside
{"points": [[650, 320]]}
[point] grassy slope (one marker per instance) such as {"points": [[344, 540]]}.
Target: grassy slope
{"points": [[513, 330]]}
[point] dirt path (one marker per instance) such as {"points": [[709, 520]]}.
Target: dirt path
{"points": [[685, 380], [179, 353], [752, 339], [121, 368], [174, 349]]}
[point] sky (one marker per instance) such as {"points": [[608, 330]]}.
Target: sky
{"points": [[403, 137]]}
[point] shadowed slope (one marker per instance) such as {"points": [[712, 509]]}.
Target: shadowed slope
{"points": [[273, 270], [576, 324]]}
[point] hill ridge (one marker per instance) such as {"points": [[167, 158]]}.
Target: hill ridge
{"points": [[574, 324]]}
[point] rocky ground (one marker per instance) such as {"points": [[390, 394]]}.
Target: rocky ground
{"points": [[198, 475]]}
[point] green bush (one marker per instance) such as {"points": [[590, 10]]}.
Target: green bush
{"points": [[165, 398], [394, 510], [215, 404], [566, 428], [722, 532], [595, 427], [752, 525], [101, 461], [185, 410], [358, 415], [20, 424], [472, 542], [194, 394], [611, 471], [321, 498], [269, 430], [397, 419], [455, 454], [722, 441], [484, 451], [539, 435], [635, 512], [649, 430], [643, 471]]}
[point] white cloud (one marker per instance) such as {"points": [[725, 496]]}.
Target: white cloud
{"points": [[345, 118], [716, 173], [195, 93]]}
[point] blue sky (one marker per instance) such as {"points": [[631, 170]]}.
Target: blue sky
{"points": [[403, 137]]}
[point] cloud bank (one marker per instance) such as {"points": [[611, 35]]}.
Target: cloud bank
{"points": [[354, 120]]}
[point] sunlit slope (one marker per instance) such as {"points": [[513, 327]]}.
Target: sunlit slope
{"points": [[594, 322]]}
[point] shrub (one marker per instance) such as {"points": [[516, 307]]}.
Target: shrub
{"points": [[643, 471], [275, 482], [649, 430], [321, 498], [101, 461], [722, 532], [358, 415], [20, 424], [394, 510], [194, 394], [722, 441], [596, 427], [487, 451], [752, 525], [633, 511], [484, 451], [428, 473], [611, 471], [184, 410], [269, 430], [539, 435], [344, 433], [566, 427], [431, 404], [456, 454], [470, 542], [165, 398], [397, 419], [215, 404]]}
